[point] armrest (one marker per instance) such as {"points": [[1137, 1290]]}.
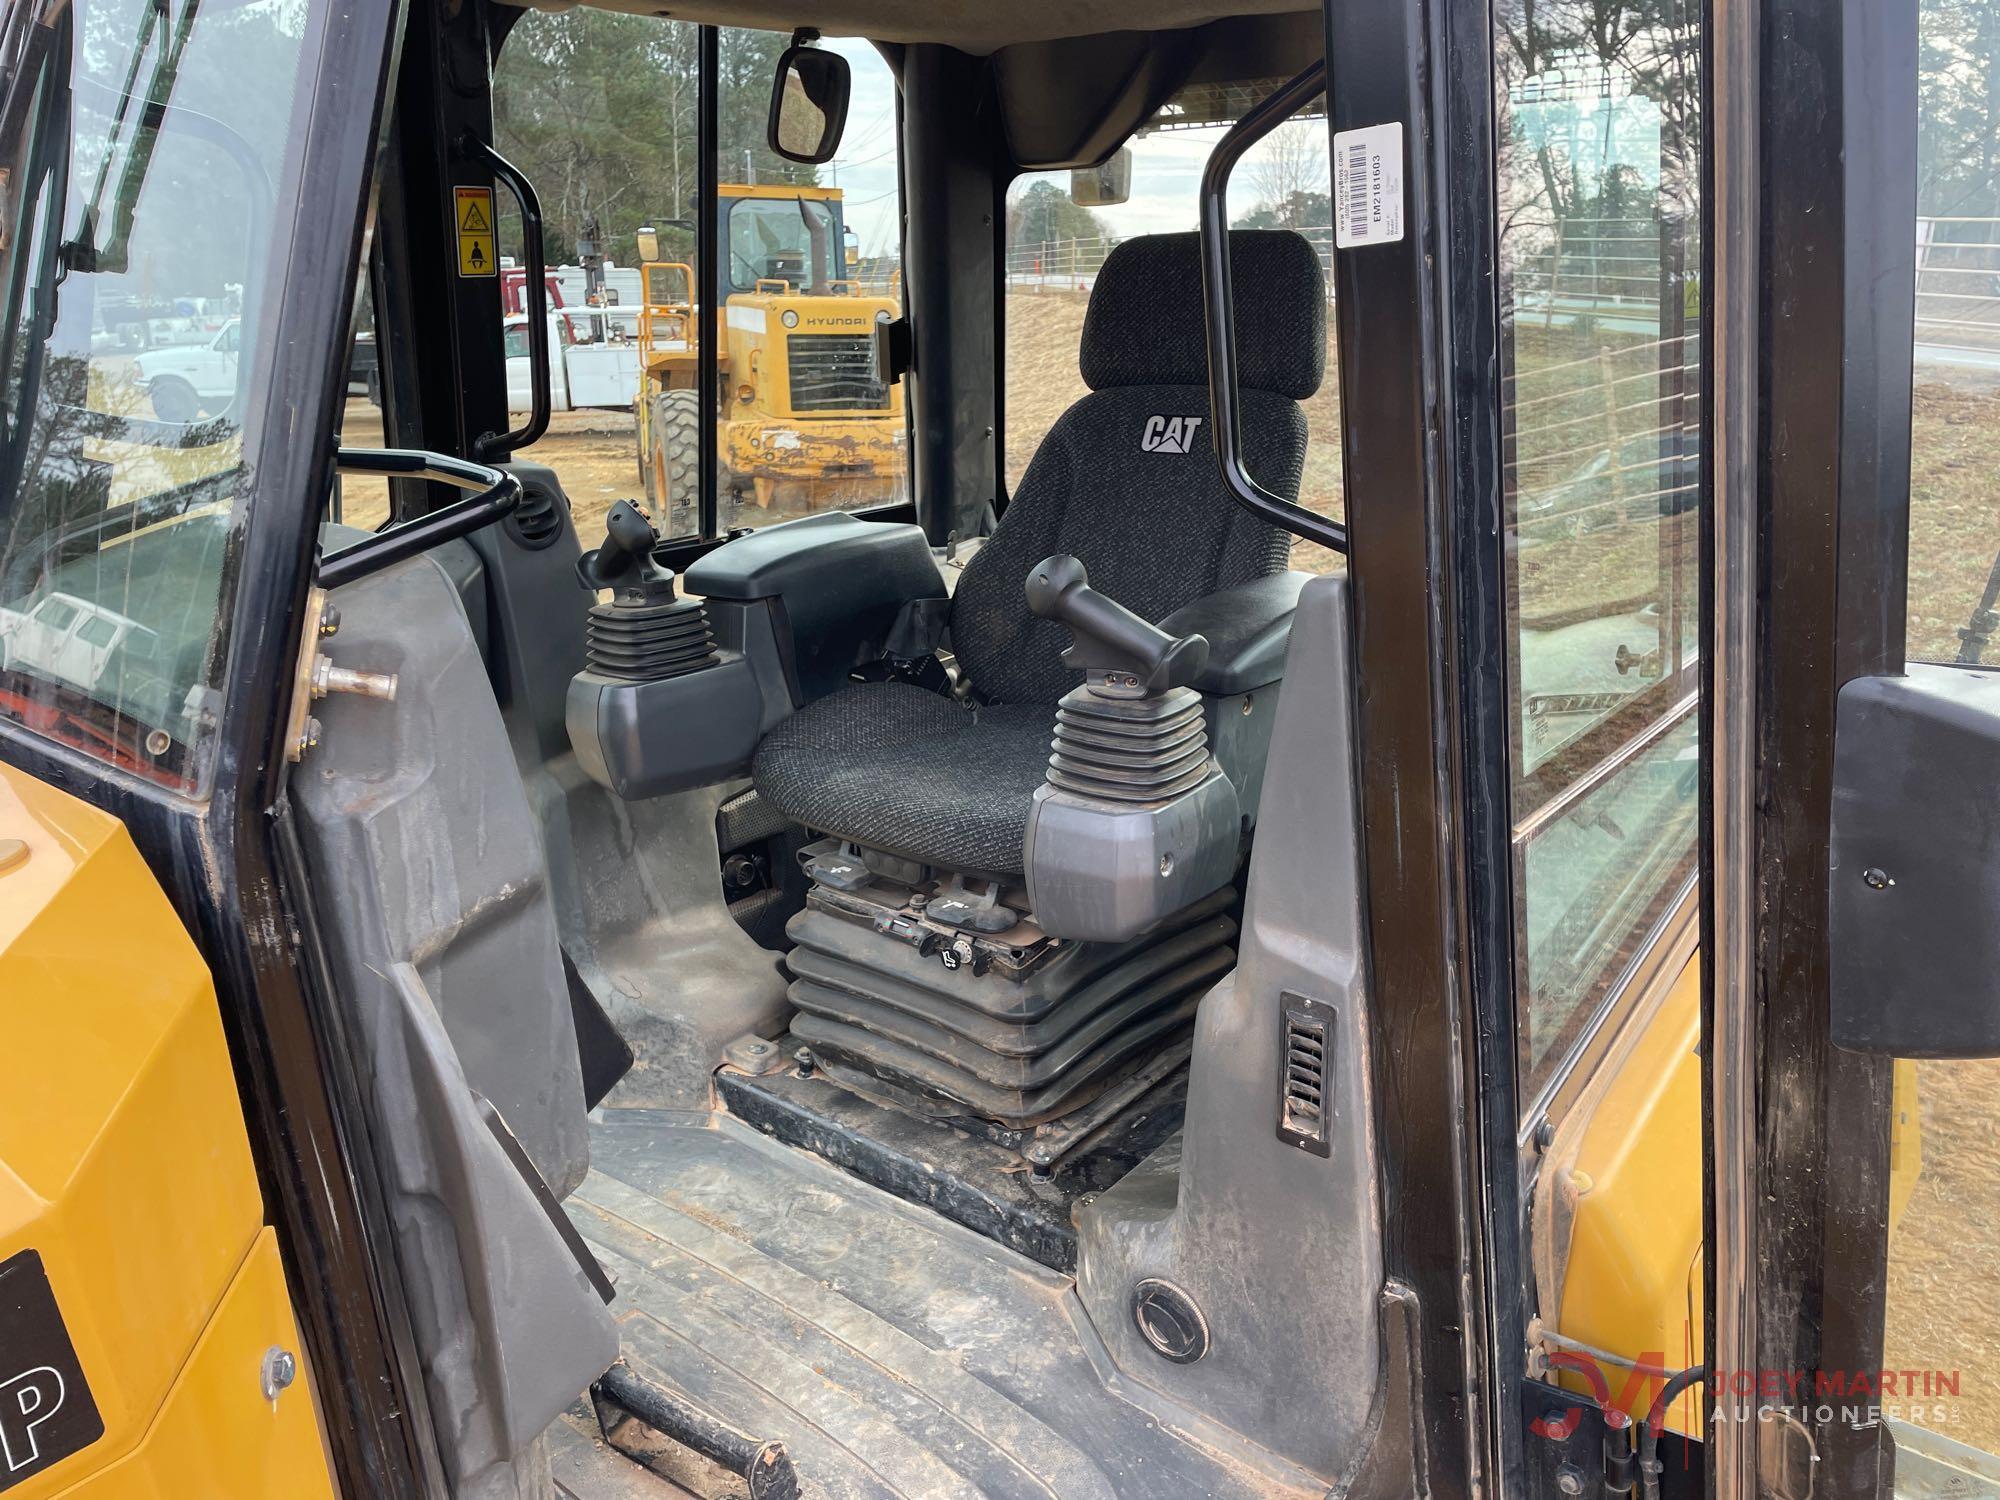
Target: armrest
{"points": [[1248, 628]]}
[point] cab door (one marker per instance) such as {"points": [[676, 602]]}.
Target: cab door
{"points": [[1851, 864], [193, 1298]]}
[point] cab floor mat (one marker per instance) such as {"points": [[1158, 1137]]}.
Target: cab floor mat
{"points": [[893, 1352]]}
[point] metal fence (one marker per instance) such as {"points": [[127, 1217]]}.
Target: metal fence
{"points": [[1071, 265], [1958, 292], [1615, 273]]}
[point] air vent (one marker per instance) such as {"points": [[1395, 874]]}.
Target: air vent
{"points": [[1305, 1072], [537, 520]]}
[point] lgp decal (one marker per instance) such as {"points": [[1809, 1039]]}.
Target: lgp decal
{"points": [[1168, 434], [46, 1410]]}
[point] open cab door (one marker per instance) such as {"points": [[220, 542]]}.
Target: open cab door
{"points": [[1849, 855]]}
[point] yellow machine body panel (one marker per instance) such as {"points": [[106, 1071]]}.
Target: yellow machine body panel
{"points": [[759, 329], [1627, 1205], [1621, 1199], [135, 1265]]}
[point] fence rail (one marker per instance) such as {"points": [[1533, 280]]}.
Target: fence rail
{"points": [[1614, 272]]}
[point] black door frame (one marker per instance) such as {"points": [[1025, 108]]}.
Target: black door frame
{"points": [[1420, 417], [225, 863], [1807, 550]]}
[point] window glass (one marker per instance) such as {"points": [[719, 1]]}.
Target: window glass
{"points": [[785, 239], [1955, 426], [1596, 877], [600, 110], [1943, 1302], [97, 631], [362, 500], [813, 267], [1598, 171], [142, 227], [1055, 247]]}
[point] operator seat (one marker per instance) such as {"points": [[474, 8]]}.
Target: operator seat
{"points": [[1126, 481]]}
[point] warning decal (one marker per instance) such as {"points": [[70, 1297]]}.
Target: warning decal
{"points": [[472, 211]]}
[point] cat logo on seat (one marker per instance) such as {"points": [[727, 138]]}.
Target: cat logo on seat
{"points": [[1168, 434]]}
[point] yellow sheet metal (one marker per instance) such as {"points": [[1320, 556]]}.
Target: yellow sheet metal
{"points": [[125, 1165]]}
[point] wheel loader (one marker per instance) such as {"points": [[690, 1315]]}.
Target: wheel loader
{"points": [[1201, 994], [807, 418]]}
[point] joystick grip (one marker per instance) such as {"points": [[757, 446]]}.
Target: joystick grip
{"points": [[624, 563], [1114, 646]]}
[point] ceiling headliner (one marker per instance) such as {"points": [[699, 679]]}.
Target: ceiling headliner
{"points": [[977, 26]]}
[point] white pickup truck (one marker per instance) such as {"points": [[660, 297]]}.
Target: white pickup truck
{"points": [[185, 380], [593, 359]]}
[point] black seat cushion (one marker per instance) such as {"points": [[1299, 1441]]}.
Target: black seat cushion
{"points": [[898, 768], [1155, 528], [1126, 480]]}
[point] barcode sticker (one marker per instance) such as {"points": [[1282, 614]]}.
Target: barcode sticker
{"points": [[1368, 186]]}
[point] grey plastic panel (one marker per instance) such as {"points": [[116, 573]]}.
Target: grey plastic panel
{"points": [[536, 612], [640, 907], [646, 739], [427, 867], [1247, 629], [1107, 871], [1278, 1247], [1239, 735], [1915, 878]]}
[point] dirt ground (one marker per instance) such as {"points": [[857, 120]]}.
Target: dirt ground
{"points": [[1944, 1274], [596, 455], [1944, 1255]]}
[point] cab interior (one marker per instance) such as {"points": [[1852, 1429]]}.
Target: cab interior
{"points": [[883, 982]]}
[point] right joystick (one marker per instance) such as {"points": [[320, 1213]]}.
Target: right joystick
{"points": [[1120, 653]]}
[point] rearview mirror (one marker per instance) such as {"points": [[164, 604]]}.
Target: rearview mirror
{"points": [[809, 104], [649, 244], [1103, 185]]}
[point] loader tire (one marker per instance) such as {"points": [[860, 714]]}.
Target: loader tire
{"points": [[673, 470]]}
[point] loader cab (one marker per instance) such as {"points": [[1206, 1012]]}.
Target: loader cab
{"points": [[779, 233], [1158, 820]]}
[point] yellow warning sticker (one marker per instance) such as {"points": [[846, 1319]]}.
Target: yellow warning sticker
{"points": [[472, 210]]}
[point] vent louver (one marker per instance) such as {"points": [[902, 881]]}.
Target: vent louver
{"points": [[1305, 1067], [537, 520]]}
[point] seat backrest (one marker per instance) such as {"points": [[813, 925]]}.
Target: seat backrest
{"points": [[1126, 478]]}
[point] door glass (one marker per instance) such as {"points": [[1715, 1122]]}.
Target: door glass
{"points": [[1600, 213], [600, 110], [141, 228], [1055, 247], [1943, 1313], [811, 269]]}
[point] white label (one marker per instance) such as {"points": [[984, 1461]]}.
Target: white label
{"points": [[1368, 186]]}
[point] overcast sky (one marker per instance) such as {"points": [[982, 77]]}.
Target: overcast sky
{"points": [[1166, 168]]}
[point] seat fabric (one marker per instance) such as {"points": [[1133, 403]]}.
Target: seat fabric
{"points": [[906, 770], [1126, 481]]}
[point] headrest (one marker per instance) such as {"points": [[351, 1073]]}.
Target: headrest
{"points": [[1144, 326]]}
